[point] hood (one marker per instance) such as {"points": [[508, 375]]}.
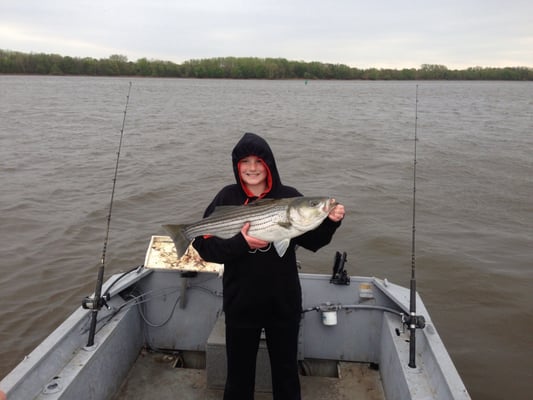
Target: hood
{"points": [[254, 145]]}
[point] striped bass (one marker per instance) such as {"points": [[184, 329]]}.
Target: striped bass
{"points": [[272, 220]]}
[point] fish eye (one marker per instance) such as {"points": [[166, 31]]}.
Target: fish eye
{"points": [[313, 203]]}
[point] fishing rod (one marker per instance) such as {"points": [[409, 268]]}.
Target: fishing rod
{"points": [[96, 302], [414, 321]]}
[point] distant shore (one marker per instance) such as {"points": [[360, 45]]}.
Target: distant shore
{"points": [[14, 62]]}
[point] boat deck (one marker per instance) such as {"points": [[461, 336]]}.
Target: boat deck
{"points": [[187, 356], [157, 375]]}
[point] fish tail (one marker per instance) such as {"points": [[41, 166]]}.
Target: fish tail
{"points": [[177, 233]]}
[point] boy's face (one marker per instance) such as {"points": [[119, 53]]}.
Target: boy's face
{"points": [[252, 171]]}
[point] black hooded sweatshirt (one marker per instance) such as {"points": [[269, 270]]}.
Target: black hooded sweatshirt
{"points": [[260, 288]]}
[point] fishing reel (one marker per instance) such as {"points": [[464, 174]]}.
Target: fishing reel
{"points": [[414, 321], [90, 303], [340, 276]]}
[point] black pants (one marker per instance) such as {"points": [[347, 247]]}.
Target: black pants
{"points": [[241, 351]]}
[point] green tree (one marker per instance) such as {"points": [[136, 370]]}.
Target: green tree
{"points": [[56, 70], [13, 62], [143, 67]]}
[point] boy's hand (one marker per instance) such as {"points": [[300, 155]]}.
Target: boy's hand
{"points": [[337, 213], [253, 242]]}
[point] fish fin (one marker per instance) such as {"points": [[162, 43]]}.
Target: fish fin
{"points": [[177, 233], [282, 246]]}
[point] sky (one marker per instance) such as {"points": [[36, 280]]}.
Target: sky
{"points": [[360, 33]]}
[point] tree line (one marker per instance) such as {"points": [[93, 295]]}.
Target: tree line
{"points": [[13, 62]]}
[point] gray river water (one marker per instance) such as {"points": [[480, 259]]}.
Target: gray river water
{"points": [[351, 140]]}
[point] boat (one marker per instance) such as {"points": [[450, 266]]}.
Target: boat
{"points": [[160, 334]]}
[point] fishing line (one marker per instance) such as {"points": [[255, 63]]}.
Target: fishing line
{"points": [[96, 302]]}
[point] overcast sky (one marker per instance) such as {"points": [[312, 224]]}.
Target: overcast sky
{"points": [[359, 33]]}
